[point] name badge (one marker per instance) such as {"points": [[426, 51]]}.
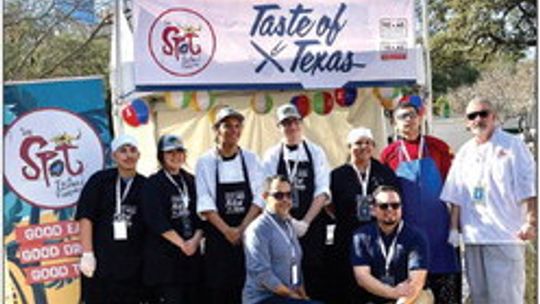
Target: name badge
{"points": [[294, 274], [363, 208], [479, 195], [120, 230], [388, 280], [330, 229]]}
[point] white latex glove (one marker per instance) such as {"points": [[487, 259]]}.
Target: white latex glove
{"points": [[453, 238], [300, 227], [88, 264]]}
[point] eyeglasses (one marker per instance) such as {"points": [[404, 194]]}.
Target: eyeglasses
{"points": [[393, 205], [281, 195], [409, 115], [482, 114]]}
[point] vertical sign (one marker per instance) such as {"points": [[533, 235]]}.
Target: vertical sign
{"points": [[54, 139]]}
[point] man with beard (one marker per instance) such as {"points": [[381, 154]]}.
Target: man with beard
{"points": [[273, 252], [390, 257], [352, 185], [491, 186]]}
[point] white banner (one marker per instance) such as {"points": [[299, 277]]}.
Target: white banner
{"points": [[241, 44]]}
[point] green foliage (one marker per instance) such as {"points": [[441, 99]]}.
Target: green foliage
{"points": [[468, 35], [43, 41]]}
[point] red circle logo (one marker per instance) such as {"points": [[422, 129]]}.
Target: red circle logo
{"points": [[181, 42]]}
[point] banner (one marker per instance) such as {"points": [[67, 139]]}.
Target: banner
{"points": [[239, 44], [54, 139]]}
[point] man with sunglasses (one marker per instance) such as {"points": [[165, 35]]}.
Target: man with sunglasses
{"points": [[305, 164], [389, 256], [491, 186], [421, 163], [273, 252]]}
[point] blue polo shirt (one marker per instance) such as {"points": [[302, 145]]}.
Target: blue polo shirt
{"points": [[411, 252]]}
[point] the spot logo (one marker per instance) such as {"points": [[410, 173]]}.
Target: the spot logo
{"points": [[181, 42], [49, 155]]}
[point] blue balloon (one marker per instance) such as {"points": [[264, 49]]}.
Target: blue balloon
{"points": [[416, 101], [141, 110], [350, 96]]}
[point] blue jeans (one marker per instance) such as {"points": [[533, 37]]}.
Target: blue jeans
{"points": [[284, 300]]}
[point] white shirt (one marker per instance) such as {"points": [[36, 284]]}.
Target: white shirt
{"points": [[229, 172], [506, 169], [320, 163]]}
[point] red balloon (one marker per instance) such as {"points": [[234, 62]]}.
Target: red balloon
{"points": [[339, 94], [328, 102], [130, 116], [302, 104], [345, 97]]}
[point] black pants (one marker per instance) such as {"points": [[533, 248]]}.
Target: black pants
{"points": [[107, 291], [446, 287], [283, 300], [179, 293], [224, 296]]}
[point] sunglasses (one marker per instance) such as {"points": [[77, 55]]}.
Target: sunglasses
{"points": [[281, 195], [385, 206], [406, 115], [482, 114]]}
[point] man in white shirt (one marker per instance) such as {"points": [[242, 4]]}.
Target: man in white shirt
{"points": [[229, 196], [491, 186], [305, 165]]}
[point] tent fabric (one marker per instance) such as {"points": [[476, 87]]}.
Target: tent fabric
{"points": [[260, 130]]}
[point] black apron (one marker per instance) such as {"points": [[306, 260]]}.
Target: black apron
{"points": [[225, 266], [313, 242]]}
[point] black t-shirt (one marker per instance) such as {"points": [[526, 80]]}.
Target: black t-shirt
{"points": [[116, 259], [344, 186], [165, 262]]}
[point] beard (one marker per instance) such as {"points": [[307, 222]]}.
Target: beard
{"points": [[389, 222]]}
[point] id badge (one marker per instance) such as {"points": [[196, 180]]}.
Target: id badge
{"points": [[120, 230], [330, 229], [294, 274], [388, 280], [363, 208], [295, 198], [479, 195]]}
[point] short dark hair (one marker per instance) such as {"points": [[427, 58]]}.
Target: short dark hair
{"points": [[269, 180], [385, 188], [405, 105]]}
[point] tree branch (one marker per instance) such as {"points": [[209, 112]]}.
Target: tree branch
{"points": [[30, 19], [18, 68], [105, 21]]}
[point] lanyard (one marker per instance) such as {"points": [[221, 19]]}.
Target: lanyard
{"points": [[390, 255], [406, 153], [291, 173], [181, 190], [122, 197], [363, 181], [288, 238]]}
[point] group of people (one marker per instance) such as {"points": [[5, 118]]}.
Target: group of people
{"points": [[287, 229]]}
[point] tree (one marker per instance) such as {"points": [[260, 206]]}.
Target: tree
{"points": [[510, 87], [47, 38], [467, 35]]}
